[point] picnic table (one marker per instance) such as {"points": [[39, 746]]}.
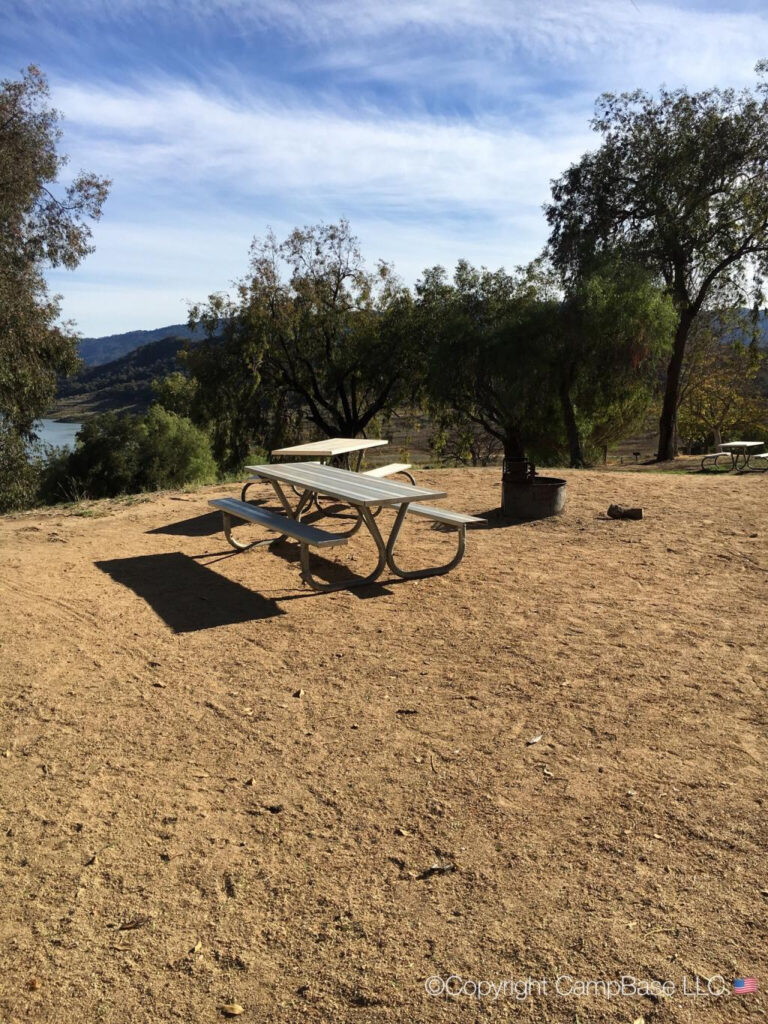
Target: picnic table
{"points": [[365, 494], [331, 448], [736, 450]]}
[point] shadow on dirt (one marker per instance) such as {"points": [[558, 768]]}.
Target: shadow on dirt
{"points": [[185, 594]]}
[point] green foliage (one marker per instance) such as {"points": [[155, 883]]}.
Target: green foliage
{"points": [[617, 328], [107, 457], [312, 333], [38, 228], [679, 185], [724, 390], [225, 368], [19, 473], [173, 452], [177, 393], [490, 338], [125, 454]]}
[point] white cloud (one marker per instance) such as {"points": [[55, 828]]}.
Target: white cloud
{"points": [[199, 169], [179, 136]]}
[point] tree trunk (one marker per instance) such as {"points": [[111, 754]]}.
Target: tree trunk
{"points": [[513, 449], [717, 436], [571, 428], [668, 421]]}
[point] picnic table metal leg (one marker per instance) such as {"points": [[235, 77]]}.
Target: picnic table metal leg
{"points": [[238, 545], [437, 570], [292, 513], [324, 588]]}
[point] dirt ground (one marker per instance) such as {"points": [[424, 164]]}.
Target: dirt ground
{"points": [[220, 788]]}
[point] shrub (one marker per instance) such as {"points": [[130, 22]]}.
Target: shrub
{"points": [[173, 452], [125, 454]]}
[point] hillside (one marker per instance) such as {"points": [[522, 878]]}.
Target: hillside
{"points": [[98, 351], [122, 385]]}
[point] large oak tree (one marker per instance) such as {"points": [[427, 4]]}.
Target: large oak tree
{"points": [[679, 184]]}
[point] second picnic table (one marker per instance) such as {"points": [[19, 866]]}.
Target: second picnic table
{"points": [[331, 448]]}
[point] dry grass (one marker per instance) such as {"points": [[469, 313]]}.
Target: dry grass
{"points": [[182, 831]]}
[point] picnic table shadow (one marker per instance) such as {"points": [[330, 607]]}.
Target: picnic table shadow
{"points": [[186, 595], [204, 525]]}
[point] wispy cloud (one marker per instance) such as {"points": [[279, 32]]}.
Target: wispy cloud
{"points": [[179, 136], [435, 125]]}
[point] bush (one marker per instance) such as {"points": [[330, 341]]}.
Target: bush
{"points": [[107, 457], [19, 474], [125, 454], [173, 452]]}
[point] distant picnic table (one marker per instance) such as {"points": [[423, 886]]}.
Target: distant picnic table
{"points": [[747, 451], [331, 448]]}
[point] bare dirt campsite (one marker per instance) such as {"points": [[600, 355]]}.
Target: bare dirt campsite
{"points": [[222, 790]]}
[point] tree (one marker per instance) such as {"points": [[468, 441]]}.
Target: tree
{"points": [[491, 340], [722, 391], [225, 370], [39, 228], [312, 321], [617, 326], [678, 185]]}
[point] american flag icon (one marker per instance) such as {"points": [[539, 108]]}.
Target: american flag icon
{"points": [[744, 985]]}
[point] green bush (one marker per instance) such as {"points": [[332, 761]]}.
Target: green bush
{"points": [[173, 452], [124, 454], [19, 474]]}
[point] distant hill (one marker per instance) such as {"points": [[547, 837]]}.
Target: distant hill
{"points": [[123, 384], [97, 351]]}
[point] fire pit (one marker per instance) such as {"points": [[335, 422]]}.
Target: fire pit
{"points": [[525, 495]]}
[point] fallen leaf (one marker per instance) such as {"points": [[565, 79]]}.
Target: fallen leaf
{"points": [[232, 1010], [250, 782], [536, 739], [402, 831], [197, 946], [639, 1020], [298, 693]]}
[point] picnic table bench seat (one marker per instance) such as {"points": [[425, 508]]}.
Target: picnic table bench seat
{"points": [[443, 515], [715, 456], [379, 472], [302, 532]]}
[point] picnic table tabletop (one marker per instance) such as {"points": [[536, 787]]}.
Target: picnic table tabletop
{"points": [[734, 446], [343, 484], [331, 446]]}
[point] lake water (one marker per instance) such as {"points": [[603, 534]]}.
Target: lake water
{"points": [[62, 435]]}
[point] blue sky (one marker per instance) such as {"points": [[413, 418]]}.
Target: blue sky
{"points": [[434, 126]]}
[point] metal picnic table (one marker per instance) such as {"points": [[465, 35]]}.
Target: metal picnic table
{"points": [[332, 447], [364, 494], [743, 449]]}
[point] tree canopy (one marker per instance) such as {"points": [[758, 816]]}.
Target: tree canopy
{"points": [[679, 185], [40, 226]]}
